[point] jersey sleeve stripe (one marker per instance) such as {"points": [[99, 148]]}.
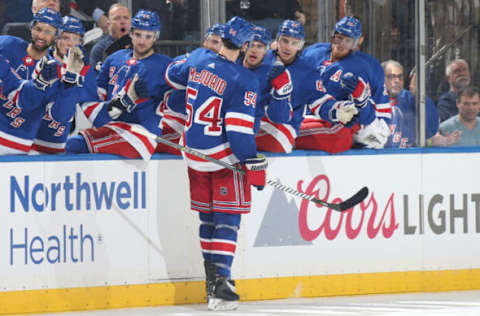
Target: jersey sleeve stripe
{"points": [[317, 104], [239, 122], [383, 106], [91, 109]]}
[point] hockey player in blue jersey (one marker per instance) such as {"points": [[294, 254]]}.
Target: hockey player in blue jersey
{"points": [[172, 108], [52, 135], [131, 83], [20, 124], [347, 73], [213, 37], [221, 99], [305, 88], [271, 102]]}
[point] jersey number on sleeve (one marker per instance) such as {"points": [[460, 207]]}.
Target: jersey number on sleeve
{"points": [[250, 98]]}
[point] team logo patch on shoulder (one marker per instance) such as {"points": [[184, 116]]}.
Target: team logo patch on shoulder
{"points": [[28, 61], [223, 190], [131, 61]]}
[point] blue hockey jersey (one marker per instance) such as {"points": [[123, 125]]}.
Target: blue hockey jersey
{"points": [[377, 84], [403, 124], [319, 55], [56, 123], [278, 111], [117, 69], [308, 91], [220, 102], [22, 121]]}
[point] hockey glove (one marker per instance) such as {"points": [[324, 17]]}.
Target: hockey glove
{"points": [[256, 171], [46, 73], [133, 93], [342, 111], [115, 108], [356, 88], [374, 135], [75, 66], [281, 82]]}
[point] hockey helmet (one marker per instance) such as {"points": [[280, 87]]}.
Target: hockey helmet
{"points": [[292, 29], [48, 16], [237, 22], [216, 29], [261, 34], [146, 20], [349, 26], [73, 25], [235, 30]]}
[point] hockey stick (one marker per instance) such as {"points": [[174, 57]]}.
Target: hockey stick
{"points": [[343, 206], [442, 49]]}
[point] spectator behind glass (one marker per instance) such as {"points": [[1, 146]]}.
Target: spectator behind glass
{"points": [[458, 77], [404, 112], [13, 11], [38, 5], [119, 18], [437, 139], [466, 121], [91, 9], [266, 13]]}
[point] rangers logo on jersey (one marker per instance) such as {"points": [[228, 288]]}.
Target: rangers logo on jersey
{"points": [[28, 61]]}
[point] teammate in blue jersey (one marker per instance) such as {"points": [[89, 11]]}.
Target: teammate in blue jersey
{"points": [[270, 102], [348, 73], [213, 37], [131, 83], [52, 135], [19, 124], [220, 103], [305, 88], [172, 108], [383, 110]]}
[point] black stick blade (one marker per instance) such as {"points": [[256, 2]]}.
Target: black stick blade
{"points": [[351, 202]]}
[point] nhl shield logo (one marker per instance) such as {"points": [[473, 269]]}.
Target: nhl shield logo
{"points": [[223, 191]]}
